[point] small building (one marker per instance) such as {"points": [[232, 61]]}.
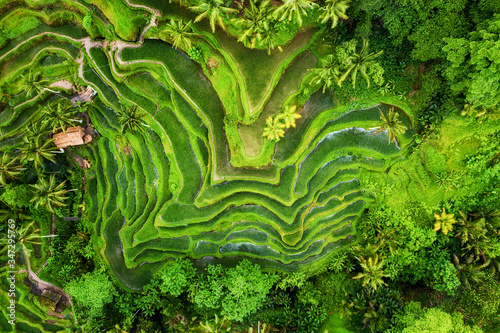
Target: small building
{"points": [[73, 136], [86, 96]]}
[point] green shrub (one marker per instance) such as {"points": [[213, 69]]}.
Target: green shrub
{"points": [[235, 292], [92, 292], [195, 53], [87, 21], [175, 278], [414, 319]]}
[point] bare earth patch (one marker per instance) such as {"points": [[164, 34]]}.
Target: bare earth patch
{"points": [[212, 63]]}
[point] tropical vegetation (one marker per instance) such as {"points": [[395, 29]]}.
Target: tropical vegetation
{"points": [[250, 166]]}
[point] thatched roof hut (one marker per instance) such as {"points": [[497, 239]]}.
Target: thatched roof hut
{"points": [[73, 136]]}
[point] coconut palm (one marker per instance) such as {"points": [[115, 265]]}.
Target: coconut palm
{"points": [[360, 62], [214, 11], [179, 32], [14, 213], [250, 25], [48, 194], [267, 37], [35, 130], [274, 129], [129, 118], [327, 74], [26, 234], [59, 116], [294, 10], [33, 83], [37, 149], [9, 169], [373, 273], [444, 222], [333, 10], [391, 124], [289, 116]]}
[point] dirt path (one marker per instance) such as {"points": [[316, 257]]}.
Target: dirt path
{"points": [[155, 11], [64, 84], [44, 285]]}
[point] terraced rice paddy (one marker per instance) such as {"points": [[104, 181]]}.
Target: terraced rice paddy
{"points": [[173, 191]]}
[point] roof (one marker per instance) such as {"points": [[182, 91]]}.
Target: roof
{"points": [[86, 96], [72, 137]]}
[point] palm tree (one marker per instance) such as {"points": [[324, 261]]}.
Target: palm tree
{"points": [[390, 239], [266, 36], [328, 73], [214, 11], [333, 10], [26, 234], [444, 222], [129, 118], [37, 150], [289, 116], [294, 10], [14, 213], [483, 248], [35, 130], [59, 117], [491, 220], [9, 169], [33, 83], [179, 33], [250, 25], [274, 129], [48, 194], [361, 62], [391, 124], [373, 273], [467, 272], [470, 229]]}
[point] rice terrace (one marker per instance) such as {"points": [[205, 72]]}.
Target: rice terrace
{"points": [[250, 166]]}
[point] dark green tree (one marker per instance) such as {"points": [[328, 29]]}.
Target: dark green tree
{"points": [[235, 292], [475, 64], [92, 292], [176, 277]]}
